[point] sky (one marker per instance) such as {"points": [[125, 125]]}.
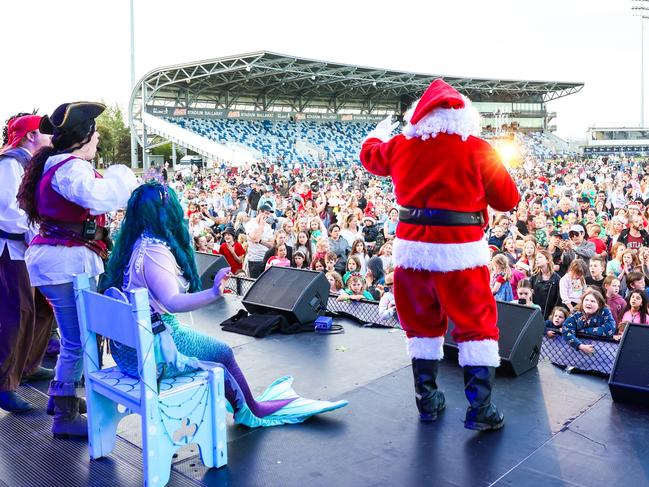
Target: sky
{"points": [[70, 50]]}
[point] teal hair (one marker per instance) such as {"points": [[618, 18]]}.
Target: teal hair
{"points": [[152, 209]]}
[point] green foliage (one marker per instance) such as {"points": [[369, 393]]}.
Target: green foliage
{"points": [[114, 137]]}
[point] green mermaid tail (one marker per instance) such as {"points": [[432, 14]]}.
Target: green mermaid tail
{"points": [[296, 411]]}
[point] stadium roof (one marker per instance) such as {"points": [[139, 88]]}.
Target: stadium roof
{"points": [[269, 78]]}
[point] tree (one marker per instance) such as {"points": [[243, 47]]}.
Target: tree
{"points": [[114, 137]]}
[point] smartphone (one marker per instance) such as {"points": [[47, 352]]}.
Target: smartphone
{"points": [[522, 301]]}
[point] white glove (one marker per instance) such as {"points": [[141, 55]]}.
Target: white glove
{"points": [[383, 129]]}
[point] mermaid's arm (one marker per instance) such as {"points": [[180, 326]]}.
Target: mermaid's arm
{"points": [[163, 284]]}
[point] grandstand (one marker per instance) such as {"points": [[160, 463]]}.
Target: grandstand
{"points": [[248, 107]]}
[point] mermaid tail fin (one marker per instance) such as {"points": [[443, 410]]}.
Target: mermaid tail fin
{"points": [[298, 410]]}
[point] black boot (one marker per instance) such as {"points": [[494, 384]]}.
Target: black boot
{"points": [[481, 415], [430, 401], [68, 423]]}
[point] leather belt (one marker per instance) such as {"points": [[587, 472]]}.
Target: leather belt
{"points": [[16, 237], [440, 218], [77, 228]]}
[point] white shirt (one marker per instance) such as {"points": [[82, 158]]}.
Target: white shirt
{"points": [[76, 182], [257, 251], [12, 218]]}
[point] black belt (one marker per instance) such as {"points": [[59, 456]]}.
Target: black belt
{"points": [[440, 218], [17, 237]]}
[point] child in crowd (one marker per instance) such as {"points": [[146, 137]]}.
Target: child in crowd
{"points": [[387, 306], [359, 250], [596, 278], [279, 259], [370, 234], [614, 265], [319, 265], [501, 275], [591, 317], [634, 281], [497, 237], [526, 294], [299, 260], [541, 233], [614, 301], [321, 248], [554, 325], [355, 290], [636, 309], [594, 230], [572, 285], [335, 282], [353, 266], [331, 261], [303, 245]]}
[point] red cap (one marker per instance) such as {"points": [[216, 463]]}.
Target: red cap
{"points": [[18, 127], [438, 95]]}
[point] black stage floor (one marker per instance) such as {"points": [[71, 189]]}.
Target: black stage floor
{"points": [[561, 429]]}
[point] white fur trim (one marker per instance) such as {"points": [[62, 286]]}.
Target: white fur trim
{"points": [[462, 121], [425, 348], [479, 352], [440, 257]]}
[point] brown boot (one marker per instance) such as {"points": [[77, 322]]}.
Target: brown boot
{"points": [[68, 423]]}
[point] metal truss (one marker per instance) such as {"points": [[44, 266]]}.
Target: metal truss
{"points": [[264, 79]]}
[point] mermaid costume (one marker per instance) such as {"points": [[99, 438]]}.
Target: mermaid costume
{"points": [[190, 350]]}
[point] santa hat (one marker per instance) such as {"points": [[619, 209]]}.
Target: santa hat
{"points": [[442, 109], [438, 95], [18, 127]]}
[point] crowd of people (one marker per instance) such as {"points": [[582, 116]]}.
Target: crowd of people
{"points": [[579, 232]]}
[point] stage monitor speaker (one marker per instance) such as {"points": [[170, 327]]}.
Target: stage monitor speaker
{"points": [[629, 380], [521, 333], [297, 294], [208, 265]]}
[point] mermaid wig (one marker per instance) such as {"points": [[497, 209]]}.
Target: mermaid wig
{"points": [[153, 210]]}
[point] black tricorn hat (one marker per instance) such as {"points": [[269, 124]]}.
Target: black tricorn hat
{"points": [[69, 115]]}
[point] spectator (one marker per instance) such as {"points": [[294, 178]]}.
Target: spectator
{"points": [[387, 306], [591, 317], [370, 233], [614, 301], [545, 283], [280, 258], [577, 247], [636, 308], [337, 244], [596, 277], [359, 250], [635, 236], [335, 283], [390, 225], [355, 290], [526, 294], [303, 245], [299, 260], [572, 285], [260, 239], [501, 275], [614, 266], [280, 239], [232, 250], [353, 266], [554, 326]]}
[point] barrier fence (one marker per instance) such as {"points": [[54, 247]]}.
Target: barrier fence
{"points": [[554, 350]]}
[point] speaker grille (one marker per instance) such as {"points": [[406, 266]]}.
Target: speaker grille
{"points": [[632, 358], [511, 320]]}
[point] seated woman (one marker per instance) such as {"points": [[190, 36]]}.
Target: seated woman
{"points": [[592, 317], [153, 250]]}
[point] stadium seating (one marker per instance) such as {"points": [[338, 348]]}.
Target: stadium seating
{"points": [[303, 142]]}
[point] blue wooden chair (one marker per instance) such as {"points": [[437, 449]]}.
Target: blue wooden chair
{"points": [[175, 412]]}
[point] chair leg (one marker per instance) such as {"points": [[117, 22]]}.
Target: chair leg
{"points": [[103, 418], [213, 442], [157, 453]]}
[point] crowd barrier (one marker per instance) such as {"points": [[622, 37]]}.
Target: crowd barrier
{"points": [[554, 350]]}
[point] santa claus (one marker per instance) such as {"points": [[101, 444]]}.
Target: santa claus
{"points": [[444, 178]]}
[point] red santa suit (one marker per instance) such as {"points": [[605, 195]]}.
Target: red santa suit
{"points": [[441, 271]]}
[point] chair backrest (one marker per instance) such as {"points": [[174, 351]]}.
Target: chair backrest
{"points": [[127, 323]]}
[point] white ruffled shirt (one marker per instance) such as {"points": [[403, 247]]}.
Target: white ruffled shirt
{"points": [[50, 265], [12, 218]]}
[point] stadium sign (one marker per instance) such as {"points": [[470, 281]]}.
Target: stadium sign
{"points": [[182, 112]]}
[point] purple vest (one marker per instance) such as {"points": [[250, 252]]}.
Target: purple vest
{"points": [[54, 207]]}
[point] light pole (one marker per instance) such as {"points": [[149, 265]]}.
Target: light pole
{"points": [[134, 162], [640, 8]]}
